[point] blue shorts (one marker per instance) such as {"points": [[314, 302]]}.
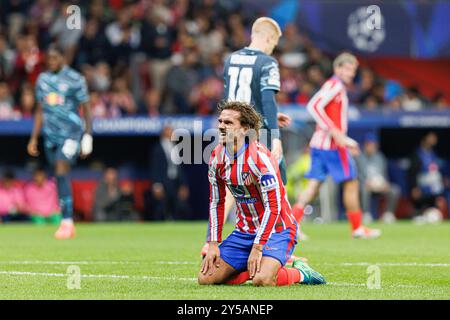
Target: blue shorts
{"points": [[235, 249], [337, 163], [69, 150]]}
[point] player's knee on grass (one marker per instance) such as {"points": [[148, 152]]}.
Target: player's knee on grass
{"points": [[206, 279], [263, 280]]}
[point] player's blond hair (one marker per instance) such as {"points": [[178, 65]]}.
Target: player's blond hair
{"points": [[345, 57], [262, 23]]}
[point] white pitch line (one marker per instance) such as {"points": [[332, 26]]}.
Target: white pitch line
{"points": [[25, 262], [127, 277], [345, 264], [393, 264], [177, 262], [107, 276]]}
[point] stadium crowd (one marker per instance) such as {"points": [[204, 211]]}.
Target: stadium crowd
{"points": [[153, 57]]}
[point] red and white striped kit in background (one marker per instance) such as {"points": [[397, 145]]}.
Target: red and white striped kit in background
{"points": [[253, 177], [329, 107]]}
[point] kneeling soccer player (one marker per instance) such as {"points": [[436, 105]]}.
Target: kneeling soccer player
{"points": [[265, 234]]}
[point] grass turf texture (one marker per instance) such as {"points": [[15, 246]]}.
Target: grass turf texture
{"points": [[161, 261]]}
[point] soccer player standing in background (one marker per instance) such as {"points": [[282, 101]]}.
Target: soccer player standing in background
{"points": [[265, 233], [331, 148], [60, 91], [251, 75]]}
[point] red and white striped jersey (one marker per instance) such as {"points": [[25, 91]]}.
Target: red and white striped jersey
{"points": [[253, 178], [329, 107]]}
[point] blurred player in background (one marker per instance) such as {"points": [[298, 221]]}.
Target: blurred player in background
{"points": [[265, 233], [251, 75], [332, 149], [60, 91]]}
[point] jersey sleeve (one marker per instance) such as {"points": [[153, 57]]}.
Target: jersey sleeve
{"points": [[265, 169], [81, 93], [226, 80], [39, 89], [270, 76], [316, 106], [216, 200]]}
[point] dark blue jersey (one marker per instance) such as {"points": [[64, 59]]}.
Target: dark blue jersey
{"points": [[247, 74], [60, 95]]}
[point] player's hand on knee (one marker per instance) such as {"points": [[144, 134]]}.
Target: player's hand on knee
{"points": [[32, 148], [210, 262], [254, 261]]}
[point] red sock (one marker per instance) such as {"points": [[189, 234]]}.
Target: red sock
{"points": [[240, 278], [288, 276], [298, 212], [355, 219]]}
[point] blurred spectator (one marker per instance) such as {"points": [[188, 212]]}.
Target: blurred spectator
{"points": [[372, 103], [237, 35], [158, 37], [121, 97], [98, 77], [123, 36], [113, 203], [392, 90], [7, 103], [375, 184], [151, 104], [395, 104], [426, 180], [317, 58], [27, 103], [29, 61], [210, 39], [92, 44], [12, 201], [364, 84], [439, 101], [411, 100], [183, 77], [289, 83], [306, 91], [291, 41], [207, 94], [168, 197], [315, 76], [41, 199], [99, 105], [7, 57]]}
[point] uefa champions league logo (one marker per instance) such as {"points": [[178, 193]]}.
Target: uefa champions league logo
{"points": [[366, 28]]}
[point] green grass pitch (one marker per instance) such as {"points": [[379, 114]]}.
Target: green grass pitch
{"points": [[161, 261]]}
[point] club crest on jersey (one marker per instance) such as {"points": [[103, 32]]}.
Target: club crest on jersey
{"points": [[247, 177], [63, 87], [53, 99], [268, 182]]}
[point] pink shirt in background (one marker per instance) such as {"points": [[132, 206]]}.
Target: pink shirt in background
{"points": [[42, 201], [11, 199]]}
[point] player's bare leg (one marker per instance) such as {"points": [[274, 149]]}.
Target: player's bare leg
{"points": [[219, 273], [66, 229], [354, 212], [304, 199], [272, 273]]}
